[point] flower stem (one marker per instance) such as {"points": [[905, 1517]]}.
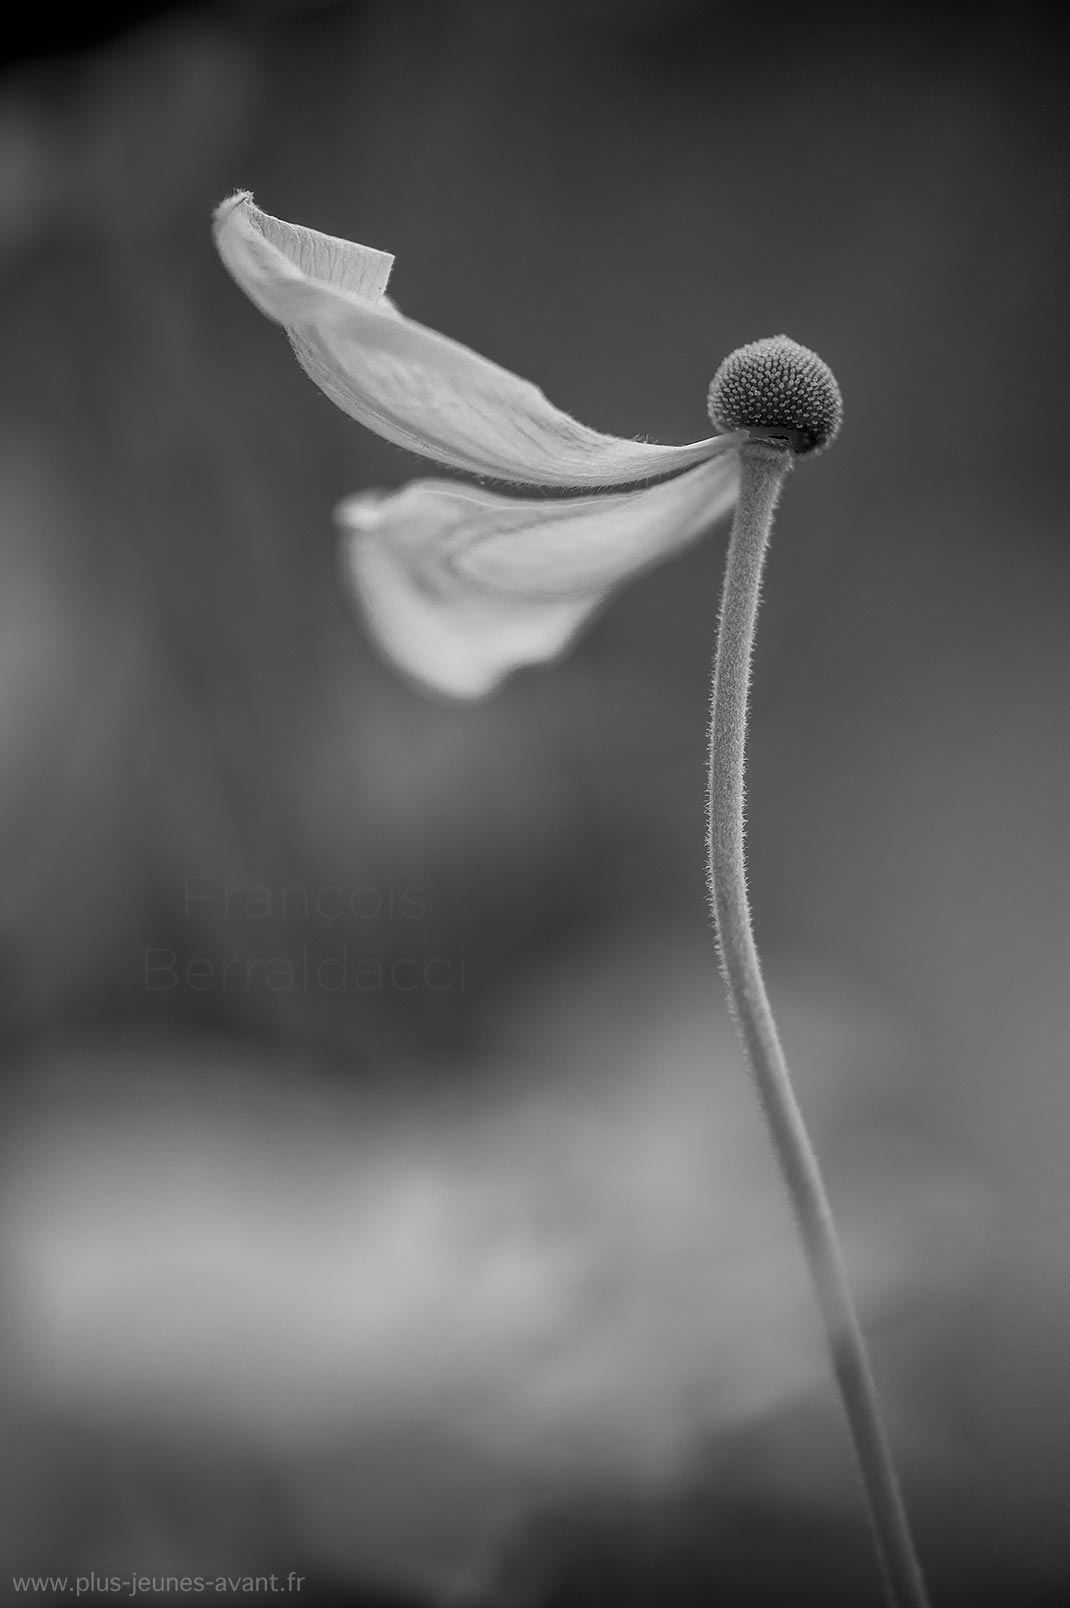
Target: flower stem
{"points": [[763, 468]]}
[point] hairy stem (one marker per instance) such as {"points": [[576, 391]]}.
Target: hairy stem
{"points": [[764, 467]]}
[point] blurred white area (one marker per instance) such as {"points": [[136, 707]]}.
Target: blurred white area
{"points": [[426, 1315]]}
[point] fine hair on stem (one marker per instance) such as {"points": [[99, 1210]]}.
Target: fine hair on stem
{"points": [[764, 464]]}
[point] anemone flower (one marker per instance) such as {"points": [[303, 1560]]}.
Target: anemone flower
{"points": [[461, 585]]}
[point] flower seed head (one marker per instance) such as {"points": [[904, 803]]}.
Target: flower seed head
{"points": [[777, 388]]}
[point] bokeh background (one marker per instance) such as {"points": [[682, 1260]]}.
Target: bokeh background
{"points": [[466, 1277]]}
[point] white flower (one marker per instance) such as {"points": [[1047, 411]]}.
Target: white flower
{"points": [[462, 585]]}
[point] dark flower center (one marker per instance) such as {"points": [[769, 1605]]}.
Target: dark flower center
{"points": [[778, 389]]}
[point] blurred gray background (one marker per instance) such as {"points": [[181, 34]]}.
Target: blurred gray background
{"points": [[607, 198]]}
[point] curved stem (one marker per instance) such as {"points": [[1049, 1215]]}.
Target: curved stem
{"points": [[764, 467]]}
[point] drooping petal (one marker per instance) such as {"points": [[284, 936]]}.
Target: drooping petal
{"points": [[461, 586], [415, 387]]}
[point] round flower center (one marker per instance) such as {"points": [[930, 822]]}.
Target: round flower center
{"points": [[778, 389]]}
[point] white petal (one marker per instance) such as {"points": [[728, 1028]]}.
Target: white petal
{"points": [[461, 586], [409, 384]]}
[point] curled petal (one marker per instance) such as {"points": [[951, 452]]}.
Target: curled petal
{"points": [[409, 384], [461, 586]]}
